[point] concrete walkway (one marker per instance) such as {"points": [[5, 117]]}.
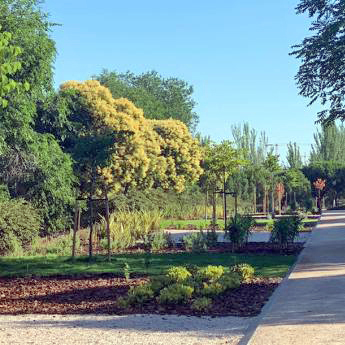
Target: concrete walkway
{"points": [[256, 236], [309, 306]]}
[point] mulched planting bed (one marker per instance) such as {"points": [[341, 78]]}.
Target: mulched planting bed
{"points": [[98, 294]]}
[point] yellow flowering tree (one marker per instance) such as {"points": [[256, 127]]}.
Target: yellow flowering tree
{"points": [[146, 153]]}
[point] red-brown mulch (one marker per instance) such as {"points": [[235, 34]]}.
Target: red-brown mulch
{"points": [[67, 295]]}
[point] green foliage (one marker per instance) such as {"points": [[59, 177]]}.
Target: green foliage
{"points": [[51, 188], [4, 193], [126, 228], [195, 242], [157, 283], [61, 245], [176, 294], [201, 304], [245, 271], [285, 230], [322, 57], [178, 274], [159, 240], [210, 273], [126, 271], [140, 294], [212, 289], [239, 229], [19, 225], [9, 65], [230, 280], [211, 238], [160, 98]]}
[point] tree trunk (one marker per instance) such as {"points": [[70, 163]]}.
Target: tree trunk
{"points": [[206, 203], [75, 228], [91, 229], [214, 210], [254, 199], [272, 199], [108, 225], [224, 201], [264, 204]]}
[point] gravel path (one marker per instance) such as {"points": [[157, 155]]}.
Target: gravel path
{"points": [[120, 330]]}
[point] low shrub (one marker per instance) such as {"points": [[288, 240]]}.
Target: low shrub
{"points": [[212, 289], [178, 274], [176, 294], [201, 304], [197, 285], [140, 294], [209, 273], [285, 230], [211, 238], [195, 242], [20, 224], [158, 241], [230, 280], [239, 229], [245, 271], [61, 245]]}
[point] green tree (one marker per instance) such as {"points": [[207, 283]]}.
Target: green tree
{"points": [[9, 65], [294, 158], [48, 180], [272, 166], [221, 161], [160, 98], [329, 144], [320, 76], [254, 148]]}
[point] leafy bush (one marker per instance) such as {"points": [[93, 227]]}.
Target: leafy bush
{"points": [[201, 304], [210, 273], [140, 294], [178, 274], [197, 285], [239, 229], [245, 271], [211, 238], [176, 293], [230, 280], [158, 241], [61, 245], [195, 242], [285, 230], [212, 289], [158, 283], [19, 225]]}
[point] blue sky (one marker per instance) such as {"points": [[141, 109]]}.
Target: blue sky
{"points": [[234, 53]]}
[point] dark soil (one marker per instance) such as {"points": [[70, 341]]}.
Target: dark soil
{"points": [[98, 295]]}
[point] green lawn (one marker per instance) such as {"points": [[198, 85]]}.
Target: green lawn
{"points": [[265, 265]]}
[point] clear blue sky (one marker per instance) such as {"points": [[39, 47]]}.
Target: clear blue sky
{"points": [[234, 53]]}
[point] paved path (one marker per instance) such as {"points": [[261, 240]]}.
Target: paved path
{"points": [[309, 306]]}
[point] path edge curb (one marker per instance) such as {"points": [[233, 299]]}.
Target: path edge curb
{"points": [[249, 332]]}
